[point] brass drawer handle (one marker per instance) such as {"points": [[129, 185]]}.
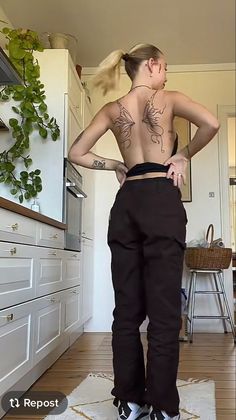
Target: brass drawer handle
{"points": [[54, 236], [52, 253], [8, 317], [12, 250], [13, 227], [52, 299]]}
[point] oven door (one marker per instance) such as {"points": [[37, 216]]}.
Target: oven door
{"points": [[73, 217]]}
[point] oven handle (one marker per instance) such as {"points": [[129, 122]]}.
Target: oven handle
{"points": [[71, 185]]}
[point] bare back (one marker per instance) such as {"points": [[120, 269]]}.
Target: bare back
{"points": [[142, 123]]}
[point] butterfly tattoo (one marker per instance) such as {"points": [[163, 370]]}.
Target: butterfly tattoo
{"points": [[151, 117], [124, 124]]}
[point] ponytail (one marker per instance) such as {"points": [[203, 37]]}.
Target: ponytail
{"points": [[108, 73]]}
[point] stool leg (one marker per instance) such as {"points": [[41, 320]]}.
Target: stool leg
{"points": [[189, 294], [220, 276], [194, 277], [190, 299], [220, 301]]}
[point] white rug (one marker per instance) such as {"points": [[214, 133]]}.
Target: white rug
{"points": [[92, 400]]}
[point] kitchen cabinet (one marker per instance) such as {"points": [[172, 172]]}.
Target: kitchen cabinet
{"points": [[75, 92], [16, 228], [33, 331], [17, 273], [72, 312], [49, 236], [72, 268], [49, 275], [73, 125], [40, 299], [47, 325], [87, 275], [16, 337], [89, 179]]}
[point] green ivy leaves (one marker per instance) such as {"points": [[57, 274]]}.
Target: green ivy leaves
{"points": [[31, 112]]}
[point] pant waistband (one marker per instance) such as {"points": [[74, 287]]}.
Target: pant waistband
{"points": [[145, 167]]}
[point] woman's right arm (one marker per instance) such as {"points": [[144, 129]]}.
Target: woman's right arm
{"points": [[207, 123]]}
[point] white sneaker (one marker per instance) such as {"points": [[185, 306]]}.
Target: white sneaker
{"points": [[132, 411], [162, 415]]}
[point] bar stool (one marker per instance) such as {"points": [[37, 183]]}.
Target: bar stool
{"points": [[219, 291]]}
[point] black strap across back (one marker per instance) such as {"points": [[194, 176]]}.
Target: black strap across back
{"points": [[143, 168]]}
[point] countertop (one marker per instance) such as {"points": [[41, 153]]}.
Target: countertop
{"points": [[17, 208]]}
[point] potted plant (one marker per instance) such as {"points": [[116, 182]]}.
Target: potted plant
{"points": [[29, 113]]}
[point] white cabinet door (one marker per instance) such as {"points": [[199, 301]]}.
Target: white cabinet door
{"points": [[17, 228], [88, 187], [47, 330], [49, 273], [71, 313], [17, 273], [75, 92], [51, 236], [88, 204], [72, 268], [15, 344], [73, 126], [87, 279], [88, 112]]}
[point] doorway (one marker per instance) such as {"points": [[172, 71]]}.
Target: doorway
{"points": [[227, 118]]}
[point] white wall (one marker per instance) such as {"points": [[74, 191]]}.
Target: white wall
{"points": [[211, 88]]}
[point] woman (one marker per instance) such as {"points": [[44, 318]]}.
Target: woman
{"points": [[147, 225]]}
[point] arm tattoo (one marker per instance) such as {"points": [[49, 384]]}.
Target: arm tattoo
{"points": [[151, 119], [78, 138], [124, 124], [99, 164]]}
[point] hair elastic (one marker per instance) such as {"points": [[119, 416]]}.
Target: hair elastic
{"points": [[125, 56]]}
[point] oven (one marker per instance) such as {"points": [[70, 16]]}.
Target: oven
{"points": [[73, 197]]}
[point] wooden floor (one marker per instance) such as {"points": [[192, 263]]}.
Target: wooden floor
{"points": [[209, 356]]}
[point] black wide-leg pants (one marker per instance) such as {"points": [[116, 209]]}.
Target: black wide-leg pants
{"points": [[146, 236]]}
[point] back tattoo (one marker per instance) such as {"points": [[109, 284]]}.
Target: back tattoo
{"points": [[151, 116], [124, 123]]}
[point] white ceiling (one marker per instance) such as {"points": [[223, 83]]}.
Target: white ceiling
{"points": [[188, 31]]}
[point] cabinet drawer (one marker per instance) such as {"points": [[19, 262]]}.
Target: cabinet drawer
{"points": [[49, 273], [17, 228], [72, 268], [50, 236], [76, 94], [47, 331], [17, 273], [15, 344], [72, 309]]}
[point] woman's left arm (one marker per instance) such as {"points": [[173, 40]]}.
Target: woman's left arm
{"points": [[79, 152]]}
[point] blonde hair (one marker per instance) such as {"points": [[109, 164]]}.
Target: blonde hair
{"points": [[108, 73]]}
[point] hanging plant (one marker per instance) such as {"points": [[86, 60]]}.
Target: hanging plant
{"points": [[31, 113]]}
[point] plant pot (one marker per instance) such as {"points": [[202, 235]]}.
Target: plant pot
{"points": [[58, 40], [64, 41]]}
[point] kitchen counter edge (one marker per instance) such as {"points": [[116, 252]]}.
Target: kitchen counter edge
{"points": [[24, 211]]}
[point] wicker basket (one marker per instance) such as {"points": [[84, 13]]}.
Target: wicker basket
{"points": [[208, 258]]}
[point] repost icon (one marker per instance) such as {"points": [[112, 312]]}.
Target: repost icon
{"points": [[34, 402]]}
